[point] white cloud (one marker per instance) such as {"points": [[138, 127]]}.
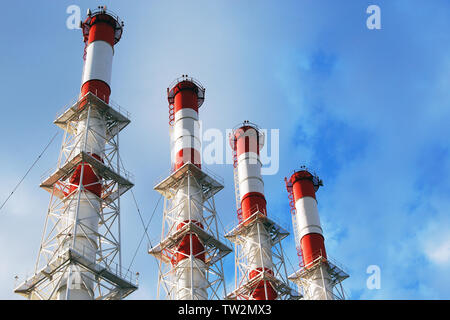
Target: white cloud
{"points": [[434, 239], [439, 251]]}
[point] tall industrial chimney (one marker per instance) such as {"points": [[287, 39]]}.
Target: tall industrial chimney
{"points": [[190, 250], [258, 254], [318, 276], [80, 256]]}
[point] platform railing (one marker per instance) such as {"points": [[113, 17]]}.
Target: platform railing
{"points": [[209, 172], [94, 95], [122, 172], [112, 266]]}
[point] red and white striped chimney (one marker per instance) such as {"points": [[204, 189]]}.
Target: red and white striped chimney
{"points": [[185, 97], [101, 31], [247, 141], [309, 232]]}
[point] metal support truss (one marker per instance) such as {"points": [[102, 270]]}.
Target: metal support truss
{"points": [[278, 278], [62, 255], [172, 234], [318, 269]]}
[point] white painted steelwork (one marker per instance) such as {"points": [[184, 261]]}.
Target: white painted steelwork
{"points": [[80, 256], [191, 278]]}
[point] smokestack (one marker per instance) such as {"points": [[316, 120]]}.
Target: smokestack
{"points": [[304, 186], [317, 276], [186, 246], [247, 143], [101, 31], [185, 98], [80, 244], [186, 148], [256, 235]]}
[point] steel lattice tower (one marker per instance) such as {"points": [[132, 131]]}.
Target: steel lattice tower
{"points": [[79, 256], [319, 278], [260, 272], [190, 251]]}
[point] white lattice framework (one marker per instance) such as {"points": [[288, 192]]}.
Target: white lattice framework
{"points": [[60, 256], [245, 286], [208, 234], [320, 268]]}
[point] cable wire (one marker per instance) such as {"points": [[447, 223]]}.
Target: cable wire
{"points": [[146, 233], [144, 225], [28, 171], [145, 229]]}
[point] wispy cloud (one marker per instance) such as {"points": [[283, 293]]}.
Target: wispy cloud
{"points": [[368, 112]]}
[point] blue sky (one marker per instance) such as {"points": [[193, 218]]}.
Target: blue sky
{"points": [[368, 110]]}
